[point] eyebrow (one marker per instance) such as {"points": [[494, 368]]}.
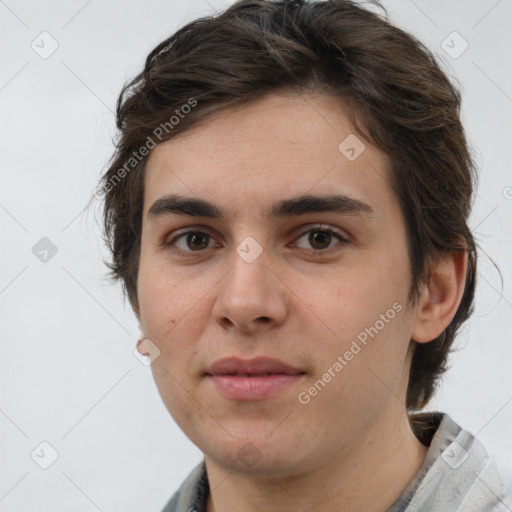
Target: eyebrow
{"points": [[302, 205]]}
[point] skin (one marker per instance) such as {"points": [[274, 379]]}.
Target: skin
{"points": [[351, 443]]}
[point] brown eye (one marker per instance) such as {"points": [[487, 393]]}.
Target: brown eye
{"points": [[319, 239], [197, 241], [190, 241]]}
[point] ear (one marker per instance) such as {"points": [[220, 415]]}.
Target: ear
{"points": [[440, 298]]}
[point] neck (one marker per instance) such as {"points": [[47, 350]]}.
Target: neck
{"points": [[370, 475]]}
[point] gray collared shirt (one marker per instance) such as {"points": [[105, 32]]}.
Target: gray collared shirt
{"points": [[456, 476]]}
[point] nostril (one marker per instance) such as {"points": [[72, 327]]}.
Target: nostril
{"points": [[227, 322]]}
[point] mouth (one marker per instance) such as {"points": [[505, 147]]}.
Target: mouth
{"points": [[254, 379], [253, 374]]}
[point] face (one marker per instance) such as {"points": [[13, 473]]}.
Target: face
{"points": [[319, 284]]}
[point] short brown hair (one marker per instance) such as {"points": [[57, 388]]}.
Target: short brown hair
{"points": [[400, 100]]}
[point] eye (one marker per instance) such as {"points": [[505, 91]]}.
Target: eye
{"points": [[317, 238], [190, 241], [320, 239]]}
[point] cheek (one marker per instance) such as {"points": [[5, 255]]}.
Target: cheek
{"points": [[364, 308], [355, 379], [163, 295], [375, 283], [355, 302], [173, 311], [157, 299]]}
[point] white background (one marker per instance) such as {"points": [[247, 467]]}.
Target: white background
{"points": [[68, 375]]}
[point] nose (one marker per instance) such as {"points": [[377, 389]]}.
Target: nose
{"points": [[251, 298]]}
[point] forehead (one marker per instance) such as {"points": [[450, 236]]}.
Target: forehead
{"points": [[279, 146]]}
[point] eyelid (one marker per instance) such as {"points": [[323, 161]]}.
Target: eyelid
{"points": [[321, 226], [185, 231]]}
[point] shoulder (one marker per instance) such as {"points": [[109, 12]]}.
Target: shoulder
{"points": [[460, 475]]}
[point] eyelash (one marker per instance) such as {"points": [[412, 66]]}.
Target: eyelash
{"points": [[319, 228]]}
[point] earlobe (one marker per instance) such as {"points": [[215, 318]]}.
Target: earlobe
{"points": [[440, 298]]}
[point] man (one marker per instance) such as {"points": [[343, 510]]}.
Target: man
{"points": [[287, 211]]}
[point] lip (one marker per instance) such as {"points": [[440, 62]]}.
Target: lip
{"points": [[257, 365], [253, 379]]}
